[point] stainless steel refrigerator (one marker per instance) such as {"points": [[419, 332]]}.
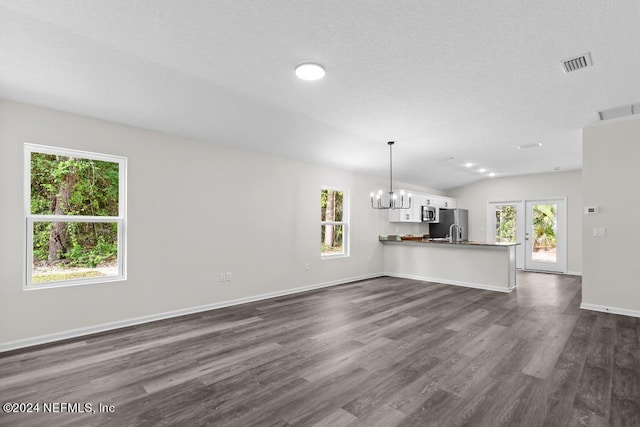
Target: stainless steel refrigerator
{"points": [[441, 229]]}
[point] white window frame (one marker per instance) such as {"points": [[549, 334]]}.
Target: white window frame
{"points": [[30, 218], [346, 237]]}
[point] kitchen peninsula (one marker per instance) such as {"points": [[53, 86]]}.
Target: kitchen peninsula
{"points": [[490, 266]]}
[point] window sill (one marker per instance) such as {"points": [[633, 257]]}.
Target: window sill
{"points": [[79, 282], [334, 256]]}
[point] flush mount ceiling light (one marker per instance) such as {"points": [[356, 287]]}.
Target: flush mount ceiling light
{"points": [[482, 170], [468, 165], [393, 202], [310, 71], [621, 111]]}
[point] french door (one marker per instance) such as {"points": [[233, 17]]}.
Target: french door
{"points": [[505, 225], [545, 241], [539, 226]]}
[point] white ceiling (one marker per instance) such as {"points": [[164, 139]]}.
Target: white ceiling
{"points": [[467, 80]]}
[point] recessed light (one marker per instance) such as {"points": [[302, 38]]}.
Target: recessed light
{"points": [[468, 165], [492, 174], [310, 71], [483, 170], [524, 147]]}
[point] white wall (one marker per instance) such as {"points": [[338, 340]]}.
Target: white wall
{"points": [[195, 209], [558, 184], [610, 181]]}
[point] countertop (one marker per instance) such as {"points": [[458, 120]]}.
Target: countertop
{"points": [[446, 242]]}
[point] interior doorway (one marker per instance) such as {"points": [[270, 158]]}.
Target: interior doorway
{"points": [[539, 226]]}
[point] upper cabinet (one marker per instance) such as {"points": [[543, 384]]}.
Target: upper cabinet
{"points": [[414, 214], [441, 202]]}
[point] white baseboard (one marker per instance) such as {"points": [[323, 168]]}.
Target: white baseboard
{"points": [[568, 273], [574, 273], [74, 333], [613, 310], [450, 282]]}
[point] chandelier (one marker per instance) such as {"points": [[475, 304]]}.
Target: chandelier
{"points": [[393, 202]]}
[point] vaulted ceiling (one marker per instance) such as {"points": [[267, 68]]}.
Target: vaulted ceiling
{"points": [[451, 82]]}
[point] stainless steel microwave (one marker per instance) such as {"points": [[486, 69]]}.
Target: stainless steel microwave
{"points": [[430, 214]]}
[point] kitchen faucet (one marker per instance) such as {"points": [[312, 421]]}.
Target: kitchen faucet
{"points": [[452, 238]]}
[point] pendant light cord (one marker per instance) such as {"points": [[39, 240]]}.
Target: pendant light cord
{"points": [[390, 167]]}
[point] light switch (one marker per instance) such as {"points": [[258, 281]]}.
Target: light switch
{"points": [[599, 232]]}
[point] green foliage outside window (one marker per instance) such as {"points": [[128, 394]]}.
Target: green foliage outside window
{"points": [[544, 226], [93, 188], [71, 186], [506, 224], [331, 210]]}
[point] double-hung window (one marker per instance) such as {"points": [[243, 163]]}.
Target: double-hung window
{"points": [[75, 212], [334, 222]]}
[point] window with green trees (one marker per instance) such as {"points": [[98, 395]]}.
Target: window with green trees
{"points": [[334, 222], [75, 216]]}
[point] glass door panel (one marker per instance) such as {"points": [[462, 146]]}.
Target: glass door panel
{"points": [[545, 238], [545, 228], [506, 225]]}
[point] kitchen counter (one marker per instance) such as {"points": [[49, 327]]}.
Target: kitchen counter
{"points": [[446, 242], [482, 265]]}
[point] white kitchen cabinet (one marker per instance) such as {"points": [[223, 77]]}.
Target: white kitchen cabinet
{"points": [[449, 202], [400, 215], [435, 201], [416, 207], [413, 214], [440, 201], [417, 201]]}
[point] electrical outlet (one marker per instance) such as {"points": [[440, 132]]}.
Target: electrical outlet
{"points": [[600, 232], [228, 276], [306, 266], [222, 277]]}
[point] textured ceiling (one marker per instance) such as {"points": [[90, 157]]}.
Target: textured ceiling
{"points": [[450, 81]]}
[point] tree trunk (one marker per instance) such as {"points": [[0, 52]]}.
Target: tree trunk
{"points": [[329, 216], [58, 235]]}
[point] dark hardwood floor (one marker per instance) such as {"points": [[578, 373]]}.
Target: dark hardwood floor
{"points": [[378, 352]]}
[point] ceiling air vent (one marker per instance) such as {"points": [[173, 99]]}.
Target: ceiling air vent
{"points": [[573, 64]]}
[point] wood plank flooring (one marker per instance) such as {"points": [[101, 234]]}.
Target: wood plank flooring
{"points": [[381, 352]]}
